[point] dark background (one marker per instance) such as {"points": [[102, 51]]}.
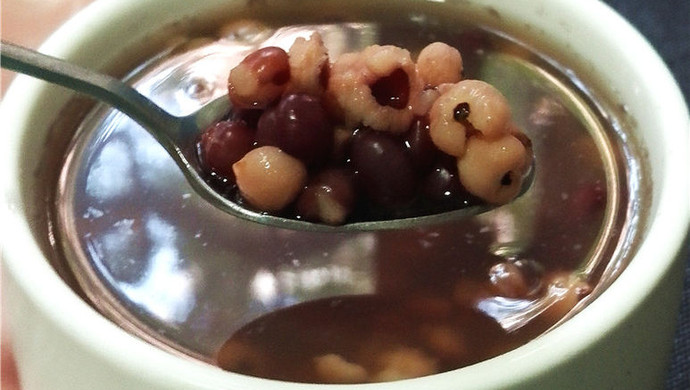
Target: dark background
{"points": [[666, 24]]}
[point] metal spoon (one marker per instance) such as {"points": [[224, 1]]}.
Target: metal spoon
{"points": [[179, 136]]}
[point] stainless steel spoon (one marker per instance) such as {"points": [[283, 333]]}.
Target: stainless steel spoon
{"points": [[179, 136]]}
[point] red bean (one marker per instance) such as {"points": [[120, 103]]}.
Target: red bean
{"points": [[441, 185], [248, 116], [223, 144], [259, 79], [299, 126], [383, 168], [419, 145]]}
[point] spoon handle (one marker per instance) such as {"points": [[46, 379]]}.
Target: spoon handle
{"points": [[100, 86]]}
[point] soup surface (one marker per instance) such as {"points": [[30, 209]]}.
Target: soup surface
{"points": [[347, 307]]}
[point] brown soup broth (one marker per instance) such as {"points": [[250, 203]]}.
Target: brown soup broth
{"points": [[159, 261]]}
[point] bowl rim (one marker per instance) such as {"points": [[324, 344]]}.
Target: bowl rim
{"points": [[27, 266]]}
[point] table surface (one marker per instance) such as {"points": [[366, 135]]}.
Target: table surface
{"points": [[665, 23]]}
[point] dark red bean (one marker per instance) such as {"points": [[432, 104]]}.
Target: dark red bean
{"points": [[270, 64], [392, 90], [442, 185], [384, 169], [329, 197], [298, 125], [248, 116], [419, 145], [267, 130], [223, 144]]}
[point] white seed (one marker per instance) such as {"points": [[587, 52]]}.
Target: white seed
{"points": [[269, 179], [439, 63]]}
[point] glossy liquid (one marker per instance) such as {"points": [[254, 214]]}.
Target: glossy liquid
{"points": [[159, 261]]}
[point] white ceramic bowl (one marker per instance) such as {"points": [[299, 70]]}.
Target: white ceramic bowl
{"points": [[620, 341]]}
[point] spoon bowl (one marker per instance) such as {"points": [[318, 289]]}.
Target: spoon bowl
{"points": [[179, 137]]}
